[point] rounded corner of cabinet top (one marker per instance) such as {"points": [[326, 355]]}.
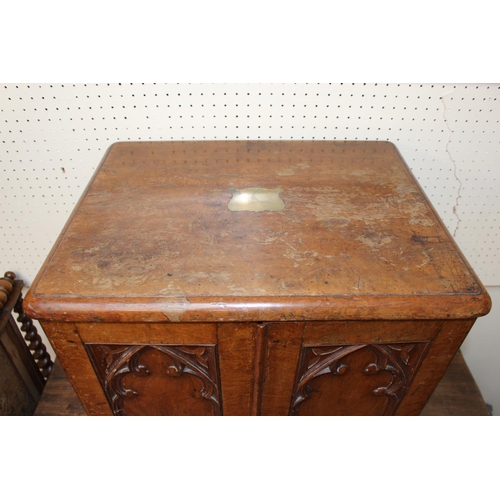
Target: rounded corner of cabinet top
{"points": [[29, 303], [486, 302]]}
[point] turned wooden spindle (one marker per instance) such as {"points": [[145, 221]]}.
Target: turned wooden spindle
{"points": [[6, 284], [32, 338]]}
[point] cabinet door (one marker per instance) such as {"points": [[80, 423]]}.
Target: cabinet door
{"points": [[360, 379], [168, 369], [358, 368], [154, 369], [158, 379], [320, 368]]}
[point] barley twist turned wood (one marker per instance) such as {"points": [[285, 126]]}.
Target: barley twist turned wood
{"points": [[32, 338]]}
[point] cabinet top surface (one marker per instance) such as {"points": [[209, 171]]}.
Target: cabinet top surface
{"points": [[179, 229]]}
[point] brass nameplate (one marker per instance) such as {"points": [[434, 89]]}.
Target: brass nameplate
{"points": [[256, 200]]}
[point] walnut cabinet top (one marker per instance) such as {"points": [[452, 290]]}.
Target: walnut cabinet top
{"points": [[220, 231]]}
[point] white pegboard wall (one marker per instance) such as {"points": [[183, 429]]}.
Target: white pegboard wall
{"points": [[53, 136]]}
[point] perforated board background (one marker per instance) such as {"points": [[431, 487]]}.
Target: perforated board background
{"points": [[53, 136]]}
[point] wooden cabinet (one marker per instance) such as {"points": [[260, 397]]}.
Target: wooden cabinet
{"points": [[255, 278], [278, 368]]}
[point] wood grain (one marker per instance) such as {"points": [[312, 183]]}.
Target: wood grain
{"points": [[327, 333], [147, 333], [240, 391], [282, 353], [437, 360], [73, 358], [153, 239]]}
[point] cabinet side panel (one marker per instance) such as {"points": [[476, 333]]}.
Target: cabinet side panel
{"points": [[71, 352], [438, 358]]}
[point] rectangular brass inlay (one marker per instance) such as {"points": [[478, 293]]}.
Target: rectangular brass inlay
{"points": [[256, 200]]}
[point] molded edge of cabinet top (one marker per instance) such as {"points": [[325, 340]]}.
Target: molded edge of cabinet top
{"points": [[254, 230]]}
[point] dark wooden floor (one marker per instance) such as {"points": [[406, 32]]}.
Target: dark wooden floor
{"points": [[457, 394]]}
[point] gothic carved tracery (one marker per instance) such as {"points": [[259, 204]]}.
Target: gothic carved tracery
{"points": [[399, 360], [113, 362]]}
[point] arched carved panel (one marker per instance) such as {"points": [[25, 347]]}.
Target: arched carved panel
{"points": [[373, 377], [158, 379]]}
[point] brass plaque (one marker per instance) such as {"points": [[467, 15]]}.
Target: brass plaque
{"points": [[256, 200]]}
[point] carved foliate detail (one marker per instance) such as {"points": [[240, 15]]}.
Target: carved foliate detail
{"points": [[399, 360], [113, 362], [395, 359]]}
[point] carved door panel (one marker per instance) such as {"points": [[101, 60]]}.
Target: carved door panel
{"points": [[260, 369], [267, 369], [158, 379], [363, 379]]}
